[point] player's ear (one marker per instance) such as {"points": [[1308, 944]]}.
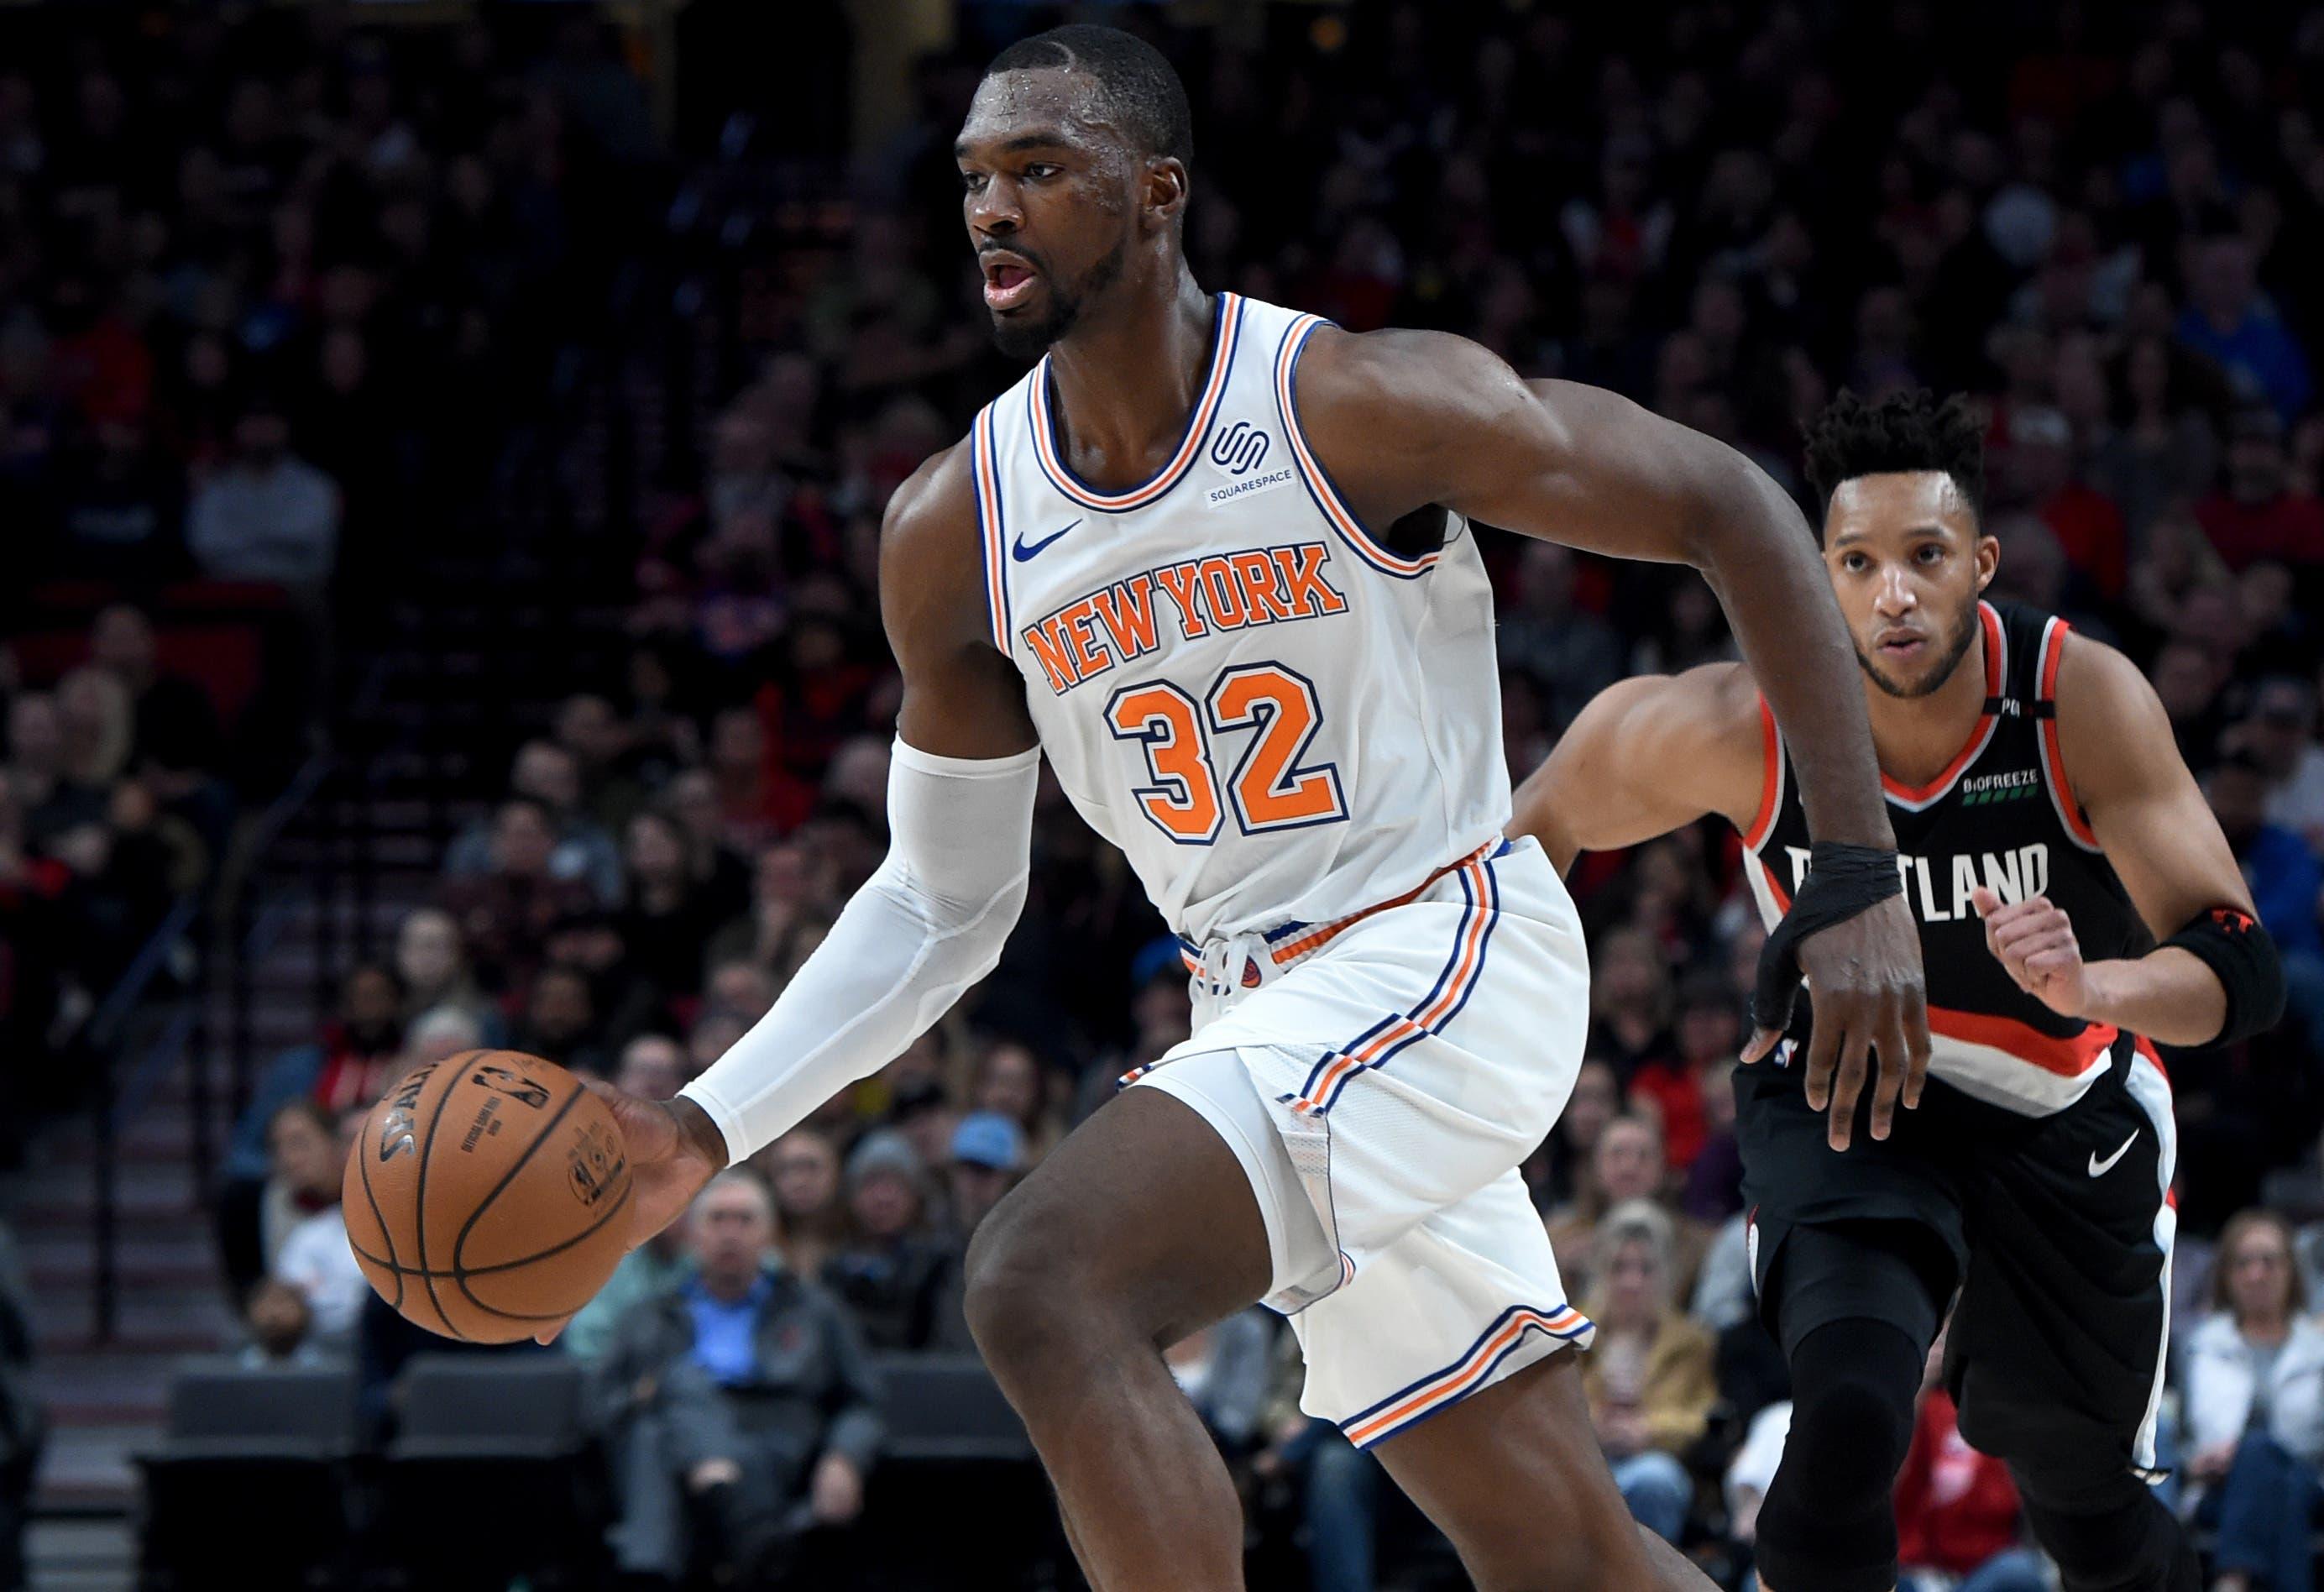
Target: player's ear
{"points": [[1989, 560], [1164, 191]]}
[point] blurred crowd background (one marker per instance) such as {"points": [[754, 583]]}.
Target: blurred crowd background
{"points": [[582, 346]]}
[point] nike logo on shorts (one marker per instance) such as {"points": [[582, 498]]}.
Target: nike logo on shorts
{"points": [[2099, 1169], [1021, 552]]}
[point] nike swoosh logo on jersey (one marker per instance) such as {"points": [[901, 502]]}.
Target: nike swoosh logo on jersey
{"points": [[2099, 1169], [1021, 552]]}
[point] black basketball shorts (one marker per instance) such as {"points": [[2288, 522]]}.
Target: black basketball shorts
{"points": [[2050, 1236]]}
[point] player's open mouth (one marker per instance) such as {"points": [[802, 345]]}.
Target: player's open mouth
{"points": [[1902, 644], [1008, 279]]}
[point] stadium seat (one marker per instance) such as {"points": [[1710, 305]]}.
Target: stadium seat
{"points": [[956, 1466], [515, 1407], [218, 1410], [503, 1428], [947, 1407], [233, 1436]]}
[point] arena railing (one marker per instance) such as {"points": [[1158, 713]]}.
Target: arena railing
{"points": [[123, 1091], [249, 910]]}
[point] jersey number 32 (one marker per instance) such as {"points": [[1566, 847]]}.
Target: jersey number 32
{"points": [[1269, 788]]}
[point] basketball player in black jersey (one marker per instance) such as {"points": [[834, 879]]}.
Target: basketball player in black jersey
{"points": [[2076, 900]]}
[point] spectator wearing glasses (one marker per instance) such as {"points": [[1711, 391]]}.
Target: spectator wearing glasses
{"points": [[742, 1388]]}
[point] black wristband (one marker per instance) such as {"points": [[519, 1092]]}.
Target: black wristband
{"points": [[2242, 956], [1843, 881]]}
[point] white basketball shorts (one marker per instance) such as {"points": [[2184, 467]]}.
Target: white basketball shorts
{"points": [[1380, 1079]]}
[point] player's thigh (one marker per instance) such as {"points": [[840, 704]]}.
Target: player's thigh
{"points": [[2057, 1348], [1145, 1213], [1875, 1231], [1514, 1477]]}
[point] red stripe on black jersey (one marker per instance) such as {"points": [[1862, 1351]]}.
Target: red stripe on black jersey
{"points": [[2053, 760], [2066, 1057]]}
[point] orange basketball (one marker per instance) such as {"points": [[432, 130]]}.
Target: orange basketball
{"points": [[488, 1197]]}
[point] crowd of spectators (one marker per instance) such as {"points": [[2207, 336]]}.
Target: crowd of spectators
{"points": [[112, 808], [276, 292], [276, 288]]}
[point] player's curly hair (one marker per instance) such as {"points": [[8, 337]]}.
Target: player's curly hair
{"points": [[1904, 431], [1140, 87]]}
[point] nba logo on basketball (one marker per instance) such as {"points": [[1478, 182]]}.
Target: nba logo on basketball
{"points": [[502, 1081]]}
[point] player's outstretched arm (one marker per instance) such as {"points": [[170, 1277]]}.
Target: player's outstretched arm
{"points": [[2213, 974], [1403, 420], [1646, 756], [931, 920]]}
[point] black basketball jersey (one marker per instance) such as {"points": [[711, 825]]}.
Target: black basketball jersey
{"points": [[2001, 815]]}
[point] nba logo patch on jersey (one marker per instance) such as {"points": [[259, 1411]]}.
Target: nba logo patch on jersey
{"points": [[1242, 452]]}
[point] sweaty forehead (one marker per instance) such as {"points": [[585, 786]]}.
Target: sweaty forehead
{"points": [[1067, 105], [1898, 501]]}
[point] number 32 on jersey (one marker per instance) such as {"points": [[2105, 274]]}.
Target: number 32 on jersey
{"points": [[1269, 788]]}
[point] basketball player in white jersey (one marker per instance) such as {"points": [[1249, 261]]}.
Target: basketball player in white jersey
{"points": [[1213, 558]]}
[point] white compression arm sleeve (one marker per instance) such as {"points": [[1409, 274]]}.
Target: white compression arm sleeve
{"points": [[925, 926]]}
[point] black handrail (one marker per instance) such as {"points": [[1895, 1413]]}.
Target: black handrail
{"points": [[103, 1028], [116, 1102]]}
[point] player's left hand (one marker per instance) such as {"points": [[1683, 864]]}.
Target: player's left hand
{"points": [[1871, 1009], [2034, 941]]}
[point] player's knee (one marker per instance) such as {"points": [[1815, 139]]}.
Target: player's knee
{"points": [[1009, 1292], [1027, 1302], [1827, 1520], [1852, 1423]]}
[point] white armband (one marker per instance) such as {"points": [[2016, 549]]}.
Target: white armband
{"points": [[929, 924]]}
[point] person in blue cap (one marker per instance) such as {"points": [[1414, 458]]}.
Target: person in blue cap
{"points": [[988, 1157]]}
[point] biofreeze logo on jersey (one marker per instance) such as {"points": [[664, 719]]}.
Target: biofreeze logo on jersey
{"points": [[1984, 790], [1226, 591], [2013, 875]]}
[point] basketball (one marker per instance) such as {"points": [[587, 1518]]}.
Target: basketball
{"points": [[487, 1196]]}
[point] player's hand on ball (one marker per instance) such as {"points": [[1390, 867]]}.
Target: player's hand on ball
{"points": [[2034, 941], [1871, 1009], [674, 1150]]}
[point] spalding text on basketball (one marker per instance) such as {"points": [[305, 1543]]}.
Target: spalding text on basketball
{"points": [[395, 1129]]}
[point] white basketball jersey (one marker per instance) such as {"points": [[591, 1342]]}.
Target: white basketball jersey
{"points": [[1276, 717]]}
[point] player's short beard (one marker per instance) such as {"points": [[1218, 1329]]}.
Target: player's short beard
{"points": [[1022, 338], [1956, 647]]}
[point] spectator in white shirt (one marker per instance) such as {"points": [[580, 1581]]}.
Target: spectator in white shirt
{"points": [[315, 1256], [2253, 1378]]}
